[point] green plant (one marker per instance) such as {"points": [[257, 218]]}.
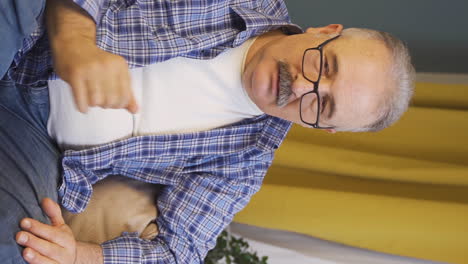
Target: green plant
{"points": [[234, 251]]}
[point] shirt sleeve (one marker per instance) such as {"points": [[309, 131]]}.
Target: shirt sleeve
{"points": [[92, 7], [191, 215]]}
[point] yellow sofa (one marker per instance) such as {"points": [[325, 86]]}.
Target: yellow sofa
{"points": [[402, 191]]}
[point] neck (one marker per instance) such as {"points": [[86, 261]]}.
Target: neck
{"points": [[262, 41]]}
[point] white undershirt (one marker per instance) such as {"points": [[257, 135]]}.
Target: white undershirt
{"points": [[176, 96]]}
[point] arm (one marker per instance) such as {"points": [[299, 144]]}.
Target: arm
{"points": [[97, 78]]}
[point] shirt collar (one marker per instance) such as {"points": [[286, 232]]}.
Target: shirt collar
{"points": [[256, 23]]}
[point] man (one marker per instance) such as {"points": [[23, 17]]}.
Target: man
{"points": [[207, 176]]}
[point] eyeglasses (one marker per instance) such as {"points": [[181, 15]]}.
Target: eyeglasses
{"points": [[313, 72]]}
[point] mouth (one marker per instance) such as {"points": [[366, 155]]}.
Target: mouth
{"points": [[276, 84]]}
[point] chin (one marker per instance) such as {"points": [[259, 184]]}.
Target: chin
{"points": [[262, 88]]}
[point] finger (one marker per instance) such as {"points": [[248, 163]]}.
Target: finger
{"points": [[58, 235], [95, 94], [123, 99], [33, 257], [119, 84], [112, 94], [80, 95], [125, 88], [122, 82], [132, 105], [52, 209], [39, 245], [108, 82]]}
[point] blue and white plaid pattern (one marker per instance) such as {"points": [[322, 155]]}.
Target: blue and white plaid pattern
{"points": [[208, 177], [150, 31]]}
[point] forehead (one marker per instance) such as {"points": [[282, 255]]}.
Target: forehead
{"points": [[360, 85]]}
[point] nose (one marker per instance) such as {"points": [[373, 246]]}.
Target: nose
{"points": [[301, 86]]}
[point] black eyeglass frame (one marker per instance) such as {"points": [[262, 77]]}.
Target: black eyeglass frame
{"points": [[316, 84]]}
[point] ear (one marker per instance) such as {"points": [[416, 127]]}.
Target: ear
{"points": [[330, 29], [330, 130]]}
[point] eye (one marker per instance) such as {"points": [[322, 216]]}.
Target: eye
{"points": [[323, 104]]}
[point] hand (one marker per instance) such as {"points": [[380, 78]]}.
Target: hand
{"points": [[96, 77], [48, 244]]}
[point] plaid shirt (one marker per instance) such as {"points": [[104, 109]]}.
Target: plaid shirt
{"points": [[208, 176]]}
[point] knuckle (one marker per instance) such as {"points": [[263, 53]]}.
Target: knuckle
{"points": [[47, 251], [75, 73], [95, 67], [95, 100], [119, 62], [91, 101], [125, 102], [114, 106], [112, 101], [122, 103], [105, 105], [122, 100]]}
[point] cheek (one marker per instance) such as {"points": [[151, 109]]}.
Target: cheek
{"points": [[262, 76], [290, 112]]}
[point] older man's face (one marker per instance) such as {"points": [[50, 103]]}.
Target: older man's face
{"points": [[354, 78]]}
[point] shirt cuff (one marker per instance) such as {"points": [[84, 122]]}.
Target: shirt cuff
{"points": [[92, 7], [131, 249]]}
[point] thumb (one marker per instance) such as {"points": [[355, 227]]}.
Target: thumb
{"points": [[52, 209]]}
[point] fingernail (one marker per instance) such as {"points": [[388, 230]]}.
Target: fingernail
{"points": [[29, 255], [22, 239], [26, 224]]}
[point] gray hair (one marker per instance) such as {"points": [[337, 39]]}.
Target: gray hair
{"points": [[402, 74]]}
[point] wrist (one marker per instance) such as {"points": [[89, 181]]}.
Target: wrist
{"points": [[88, 253], [72, 42], [67, 23]]}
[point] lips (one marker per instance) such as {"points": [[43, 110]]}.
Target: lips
{"points": [[275, 84]]}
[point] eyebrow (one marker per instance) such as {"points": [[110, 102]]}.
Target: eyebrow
{"points": [[335, 64], [331, 102]]}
